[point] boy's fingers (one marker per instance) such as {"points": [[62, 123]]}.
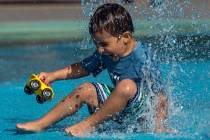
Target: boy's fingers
{"points": [[43, 78], [40, 76], [48, 84]]}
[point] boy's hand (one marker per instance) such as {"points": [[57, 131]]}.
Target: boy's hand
{"points": [[46, 77]]}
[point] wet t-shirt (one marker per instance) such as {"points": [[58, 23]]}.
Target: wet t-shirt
{"points": [[134, 66], [128, 67], [137, 66]]}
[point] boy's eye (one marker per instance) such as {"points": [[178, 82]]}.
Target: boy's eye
{"points": [[103, 44]]}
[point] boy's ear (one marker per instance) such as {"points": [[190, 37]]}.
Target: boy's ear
{"points": [[126, 36]]}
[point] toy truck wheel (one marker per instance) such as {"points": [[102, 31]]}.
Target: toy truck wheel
{"points": [[35, 84], [27, 90], [39, 99], [47, 94]]}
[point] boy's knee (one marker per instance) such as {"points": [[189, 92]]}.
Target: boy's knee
{"points": [[127, 88], [87, 91], [87, 86]]}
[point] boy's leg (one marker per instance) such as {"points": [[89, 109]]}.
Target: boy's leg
{"points": [[117, 101], [161, 114], [85, 93]]}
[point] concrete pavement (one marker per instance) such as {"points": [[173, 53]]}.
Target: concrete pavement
{"points": [[35, 23]]}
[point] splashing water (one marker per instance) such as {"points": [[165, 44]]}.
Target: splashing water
{"points": [[178, 35]]}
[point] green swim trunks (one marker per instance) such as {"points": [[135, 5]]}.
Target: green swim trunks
{"points": [[104, 91]]}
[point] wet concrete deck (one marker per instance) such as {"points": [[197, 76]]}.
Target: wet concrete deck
{"points": [[34, 23], [39, 12]]}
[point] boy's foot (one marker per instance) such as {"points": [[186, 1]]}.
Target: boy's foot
{"points": [[80, 130], [29, 126], [164, 130]]}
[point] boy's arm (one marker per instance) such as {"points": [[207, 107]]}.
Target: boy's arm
{"points": [[70, 72], [92, 64], [161, 113], [73, 71]]}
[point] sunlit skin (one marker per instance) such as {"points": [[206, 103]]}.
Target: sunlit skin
{"points": [[115, 48], [68, 106]]}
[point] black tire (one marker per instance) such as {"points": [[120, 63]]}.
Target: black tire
{"points": [[27, 90], [35, 84], [47, 94], [39, 99]]}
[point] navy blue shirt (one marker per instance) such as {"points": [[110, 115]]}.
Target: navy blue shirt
{"points": [[137, 66], [128, 67]]}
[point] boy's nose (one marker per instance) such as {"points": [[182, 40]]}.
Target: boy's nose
{"points": [[100, 50]]}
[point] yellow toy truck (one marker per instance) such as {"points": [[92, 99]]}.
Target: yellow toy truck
{"points": [[36, 86]]}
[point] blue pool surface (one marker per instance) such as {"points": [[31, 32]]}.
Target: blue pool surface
{"points": [[187, 83]]}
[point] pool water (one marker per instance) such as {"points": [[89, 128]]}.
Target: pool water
{"points": [[187, 83]]}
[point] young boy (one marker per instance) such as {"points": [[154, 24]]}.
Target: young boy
{"points": [[111, 28]]}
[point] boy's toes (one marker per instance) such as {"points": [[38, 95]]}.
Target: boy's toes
{"points": [[32, 127], [19, 126], [68, 131], [73, 132]]}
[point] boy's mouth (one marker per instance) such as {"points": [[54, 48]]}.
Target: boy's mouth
{"points": [[114, 57], [111, 55], [108, 54]]}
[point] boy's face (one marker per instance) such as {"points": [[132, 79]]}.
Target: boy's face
{"points": [[108, 44]]}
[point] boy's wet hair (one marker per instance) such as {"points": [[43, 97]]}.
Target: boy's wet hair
{"points": [[111, 17]]}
